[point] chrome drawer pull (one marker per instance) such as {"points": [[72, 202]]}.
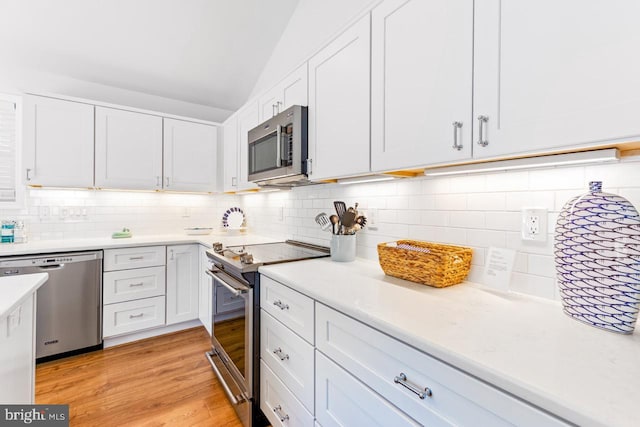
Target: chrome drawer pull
{"points": [[278, 352], [281, 305], [402, 380], [134, 316], [131, 285], [135, 258], [278, 411]]}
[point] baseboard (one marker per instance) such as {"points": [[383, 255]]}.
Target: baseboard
{"points": [[123, 339]]}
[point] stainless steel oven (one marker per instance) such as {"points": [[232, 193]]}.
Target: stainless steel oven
{"points": [[232, 344]]}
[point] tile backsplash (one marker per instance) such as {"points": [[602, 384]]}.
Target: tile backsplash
{"points": [[477, 210], [52, 214]]}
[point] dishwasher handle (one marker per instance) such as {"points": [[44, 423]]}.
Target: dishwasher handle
{"points": [[51, 267]]}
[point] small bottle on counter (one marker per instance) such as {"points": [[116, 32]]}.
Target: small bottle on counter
{"points": [[20, 232], [6, 232]]}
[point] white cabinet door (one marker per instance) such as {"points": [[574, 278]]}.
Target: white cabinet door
{"points": [[421, 82], [190, 156], [17, 357], [204, 295], [58, 142], [182, 283], [292, 90], [551, 74], [128, 149], [230, 155], [248, 118], [339, 100]]}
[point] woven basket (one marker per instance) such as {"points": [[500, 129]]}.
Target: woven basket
{"points": [[428, 263]]}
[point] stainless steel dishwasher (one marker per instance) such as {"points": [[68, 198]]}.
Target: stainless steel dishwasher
{"points": [[69, 305]]}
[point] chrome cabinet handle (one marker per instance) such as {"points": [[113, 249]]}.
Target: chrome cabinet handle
{"points": [[135, 258], [28, 172], [281, 305], [481, 139], [402, 380], [157, 181], [309, 164], [134, 316], [234, 181], [278, 411], [456, 126], [171, 252], [132, 285], [167, 179], [278, 104], [278, 352], [273, 110]]}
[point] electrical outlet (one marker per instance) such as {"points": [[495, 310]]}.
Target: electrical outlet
{"points": [[372, 219], [534, 224]]}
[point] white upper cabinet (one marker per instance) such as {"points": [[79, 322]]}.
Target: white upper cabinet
{"points": [[128, 149], [230, 154], [58, 142], [292, 90], [190, 156], [248, 118], [339, 102], [421, 82], [552, 74]]}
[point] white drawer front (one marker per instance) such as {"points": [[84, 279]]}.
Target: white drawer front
{"points": [[131, 316], [226, 302], [377, 359], [342, 400], [288, 306], [138, 257], [274, 395], [289, 357], [126, 285]]}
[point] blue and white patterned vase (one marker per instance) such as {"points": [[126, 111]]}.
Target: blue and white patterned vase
{"points": [[597, 254]]}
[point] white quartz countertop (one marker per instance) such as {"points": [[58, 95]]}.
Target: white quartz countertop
{"points": [[524, 345], [50, 246], [14, 290]]}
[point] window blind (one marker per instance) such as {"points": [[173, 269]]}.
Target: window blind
{"points": [[7, 151]]}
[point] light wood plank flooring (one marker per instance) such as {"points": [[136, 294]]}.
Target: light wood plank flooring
{"points": [[160, 381]]}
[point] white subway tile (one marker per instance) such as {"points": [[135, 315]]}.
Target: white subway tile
{"points": [[436, 185], [533, 285], [436, 218], [467, 219], [451, 202], [507, 181], [555, 178], [408, 217], [516, 200], [427, 201], [486, 201], [486, 238], [467, 183], [506, 221]]}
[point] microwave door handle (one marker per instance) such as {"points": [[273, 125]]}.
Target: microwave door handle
{"points": [[279, 146]]}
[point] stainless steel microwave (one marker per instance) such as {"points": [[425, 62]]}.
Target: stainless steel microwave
{"points": [[278, 149]]}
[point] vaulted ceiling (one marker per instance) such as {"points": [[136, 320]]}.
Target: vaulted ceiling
{"points": [[207, 52]]}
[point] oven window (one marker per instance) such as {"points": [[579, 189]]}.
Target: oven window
{"points": [[229, 325], [263, 154]]}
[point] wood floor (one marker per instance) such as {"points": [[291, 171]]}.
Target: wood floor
{"points": [[161, 381]]}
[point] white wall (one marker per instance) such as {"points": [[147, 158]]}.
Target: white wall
{"points": [[18, 80], [312, 25], [47, 213], [480, 211]]}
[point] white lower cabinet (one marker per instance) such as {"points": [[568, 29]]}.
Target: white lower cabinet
{"points": [[278, 403], [182, 283], [131, 316], [288, 306], [125, 285], [429, 391], [342, 400]]}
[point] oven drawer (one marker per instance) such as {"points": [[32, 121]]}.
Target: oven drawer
{"points": [[278, 404], [138, 257], [126, 285], [378, 360], [289, 357], [344, 401], [131, 316], [294, 310]]}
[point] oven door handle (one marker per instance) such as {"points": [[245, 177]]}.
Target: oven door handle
{"points": [[237, 288]]}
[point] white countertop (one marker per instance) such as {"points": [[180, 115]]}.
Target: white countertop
{"points": [[521, 344], [15, 289], [50, 246]]}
